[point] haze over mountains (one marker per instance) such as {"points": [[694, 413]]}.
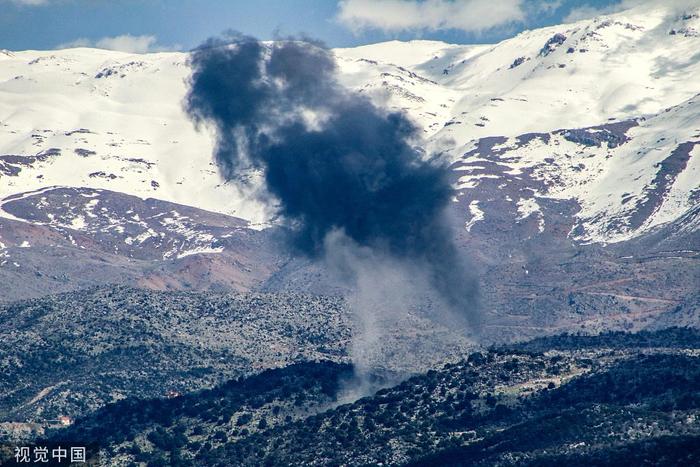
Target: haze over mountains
{"points": [[574, 151]]}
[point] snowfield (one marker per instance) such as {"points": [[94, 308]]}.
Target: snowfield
{"points": [[604, 112]]}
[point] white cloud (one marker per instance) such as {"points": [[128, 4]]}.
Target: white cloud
{"points": [[429, 15], [588, 11], [123, 43], [128, 43], [547, 7]]}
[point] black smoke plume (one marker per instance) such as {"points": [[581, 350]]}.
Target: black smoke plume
{"points": [[331, 160]]}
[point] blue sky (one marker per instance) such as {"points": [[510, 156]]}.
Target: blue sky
{"points": [[141, 25]]}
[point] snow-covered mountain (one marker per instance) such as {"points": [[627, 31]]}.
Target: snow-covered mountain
{"points": [[582, 133], [640, 66], [102, 119]]}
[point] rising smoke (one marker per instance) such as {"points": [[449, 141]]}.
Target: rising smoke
{"points": [[345, 176]]}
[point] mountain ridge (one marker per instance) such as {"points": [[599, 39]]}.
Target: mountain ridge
{"points": [[574, 153]]}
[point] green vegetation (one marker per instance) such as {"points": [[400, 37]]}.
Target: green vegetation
{"points": [[72, 353], [583, 402]]}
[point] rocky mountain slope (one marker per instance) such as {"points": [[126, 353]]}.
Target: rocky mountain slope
{"points": [[118, 134], [70, 354], [574, 151], [63, 238], [562, 400]]}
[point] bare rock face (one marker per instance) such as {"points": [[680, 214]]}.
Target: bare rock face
{"points": [[552, 43], [67, 238]]}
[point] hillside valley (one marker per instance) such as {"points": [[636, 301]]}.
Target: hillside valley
{"points": [[582, 398]]}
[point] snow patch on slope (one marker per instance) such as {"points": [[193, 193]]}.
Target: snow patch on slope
{"points": [[476, 215]]}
